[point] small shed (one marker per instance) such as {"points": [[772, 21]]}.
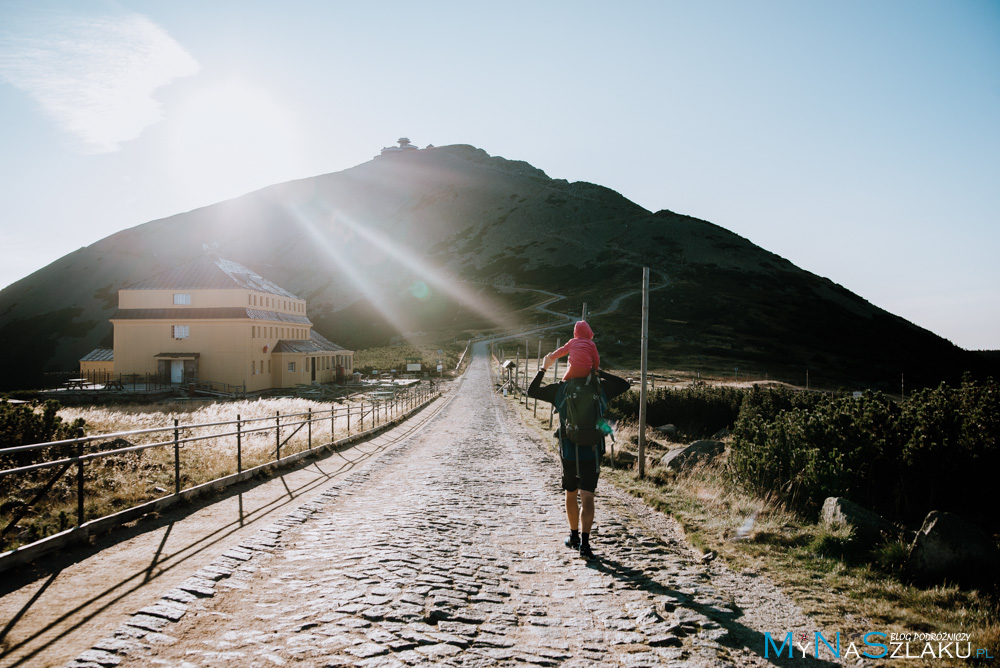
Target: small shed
{"points": [[99, 362]]}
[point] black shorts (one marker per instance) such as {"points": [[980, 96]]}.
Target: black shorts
{"points": [[586, 480]]}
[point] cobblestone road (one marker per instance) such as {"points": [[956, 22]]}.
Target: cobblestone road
{"points": [[447, 552]]}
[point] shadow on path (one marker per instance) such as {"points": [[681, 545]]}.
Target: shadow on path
{"points": [[739, 635]]}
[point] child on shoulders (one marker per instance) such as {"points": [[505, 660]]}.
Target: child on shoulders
{"points": [[582, 351]]}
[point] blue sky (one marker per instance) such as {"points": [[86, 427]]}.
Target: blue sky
{"points": [[860, 140]]}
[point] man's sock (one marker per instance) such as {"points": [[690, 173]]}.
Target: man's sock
{"points": [[573, 541], [585, 550]]}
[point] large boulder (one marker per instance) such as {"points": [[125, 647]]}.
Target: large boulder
{"points": [[699, 452], [867, 525], [949, 548]]}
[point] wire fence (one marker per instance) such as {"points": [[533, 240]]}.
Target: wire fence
{"points": [[44, 485]]}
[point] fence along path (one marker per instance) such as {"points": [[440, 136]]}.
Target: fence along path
{"points": [[52, 609], [40, 466]]}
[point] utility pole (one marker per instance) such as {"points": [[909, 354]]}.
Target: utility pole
{"points": [[642, 387]]}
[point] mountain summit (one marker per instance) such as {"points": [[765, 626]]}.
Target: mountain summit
{"points": [[419, 240]]}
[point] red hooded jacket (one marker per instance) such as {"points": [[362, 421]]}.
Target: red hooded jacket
{"points": [[582, 352]]}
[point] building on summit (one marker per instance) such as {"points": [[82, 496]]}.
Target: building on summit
{"points": [[212, 319], [404, 147]]}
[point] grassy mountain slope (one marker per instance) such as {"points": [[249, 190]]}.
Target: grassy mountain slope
{"points": [[422, 244]]}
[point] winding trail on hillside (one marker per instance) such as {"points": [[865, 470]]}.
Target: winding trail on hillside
{"points": [[568, 318]]}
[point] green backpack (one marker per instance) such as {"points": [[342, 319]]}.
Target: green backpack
{"points": [[583, 405]]}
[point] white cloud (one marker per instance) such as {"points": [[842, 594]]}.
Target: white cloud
{"points": [[95, 77]]}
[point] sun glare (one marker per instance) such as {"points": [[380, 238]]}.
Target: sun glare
{"points": [[430, 277], [229, 135], [427, 278]]}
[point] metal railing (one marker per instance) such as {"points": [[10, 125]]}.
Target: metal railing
{"points": [[93, 380], [96, 380], [351, 420]]}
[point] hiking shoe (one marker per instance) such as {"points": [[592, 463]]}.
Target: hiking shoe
{"points": [[573, 543], [587, 553]]}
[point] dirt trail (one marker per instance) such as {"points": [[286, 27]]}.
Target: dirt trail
{"points": [[56, 608]]}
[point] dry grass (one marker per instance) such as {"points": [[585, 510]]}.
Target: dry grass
{"points": [[122, 481], [840, 585]]}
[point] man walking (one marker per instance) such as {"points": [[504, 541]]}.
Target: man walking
{"points": [[581, 464]]}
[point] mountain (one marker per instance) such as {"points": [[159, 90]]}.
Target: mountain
{"points": [[445, 241]]}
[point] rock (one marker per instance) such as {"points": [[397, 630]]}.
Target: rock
{"points": [[622, 457], [699, 452], [949, 548], [668, 430], [868, 526]]}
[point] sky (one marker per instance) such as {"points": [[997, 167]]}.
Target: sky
{"points": [[860, 140]]}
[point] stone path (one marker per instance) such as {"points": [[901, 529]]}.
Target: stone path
{"points": [[448, 552]]}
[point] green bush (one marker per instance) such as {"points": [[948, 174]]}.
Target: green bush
{"points": [[951, 449], [767, 403], [21, 424], [697, 412], [938, 449], [839, 447]]}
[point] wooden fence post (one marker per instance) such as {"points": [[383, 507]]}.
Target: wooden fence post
{"points": [[177, 458], [555, 376], [538, 365], [79, 486], [239, 445]]}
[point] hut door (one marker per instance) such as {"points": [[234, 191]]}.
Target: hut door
{"points": [[176, 371], [313, 369]]}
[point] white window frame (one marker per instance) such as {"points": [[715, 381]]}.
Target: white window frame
{"points": [[180, 331], [182, 299], [291, 367]]}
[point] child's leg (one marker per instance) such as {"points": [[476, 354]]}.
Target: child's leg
{"points": [[576, 372]]}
